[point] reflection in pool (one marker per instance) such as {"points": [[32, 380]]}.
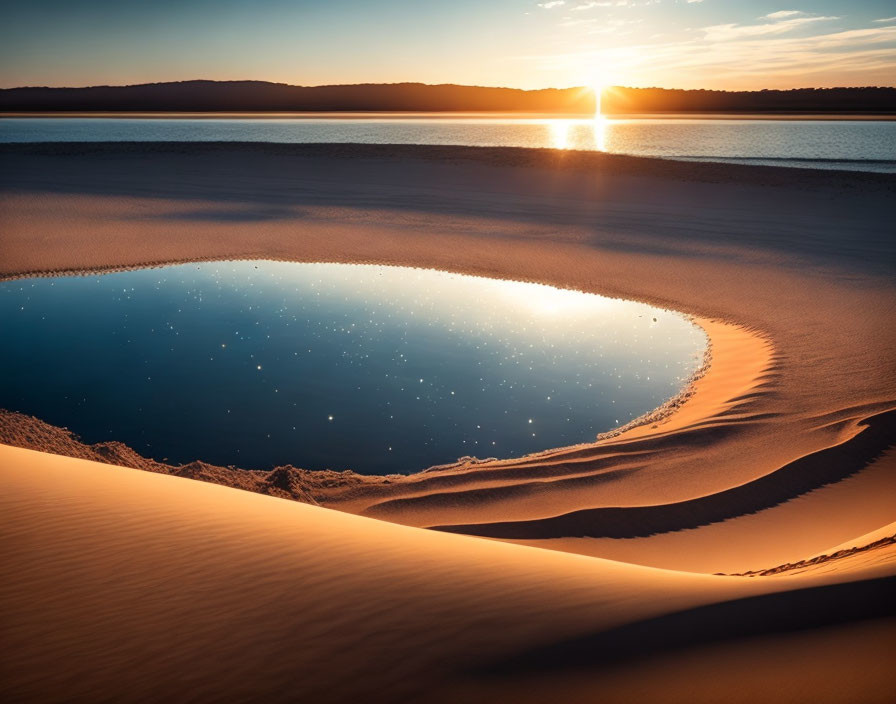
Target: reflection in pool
{"points": [[372, 368]]}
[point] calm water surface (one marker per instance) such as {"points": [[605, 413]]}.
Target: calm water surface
{"points": [[377, 369], [840, 144]]}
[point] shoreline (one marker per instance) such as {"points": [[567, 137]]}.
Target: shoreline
{"points": [[376, 204], [459, 115], [661, 414]]}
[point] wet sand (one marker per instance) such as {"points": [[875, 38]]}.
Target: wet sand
{"points": [[779, 452]]}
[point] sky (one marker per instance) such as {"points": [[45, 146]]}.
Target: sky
{"points": [[721, 44]]}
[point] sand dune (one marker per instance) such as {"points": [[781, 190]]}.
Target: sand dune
{"points": [[780, 452], [133, 586]]}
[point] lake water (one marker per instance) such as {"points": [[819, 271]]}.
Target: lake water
{"points": [[865, 145], [376, 369]]}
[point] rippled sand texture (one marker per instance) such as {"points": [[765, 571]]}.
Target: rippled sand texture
{"points": [[128, 585]]}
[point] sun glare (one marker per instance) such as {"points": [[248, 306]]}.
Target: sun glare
{"points": [[598, 89]]}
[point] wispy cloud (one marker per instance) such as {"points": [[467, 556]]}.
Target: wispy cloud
{"points": [[781, 14], [851, 57], [728, 32], [552, 4], [593, 3], [600, 25], [589, 4], [886, 19]]}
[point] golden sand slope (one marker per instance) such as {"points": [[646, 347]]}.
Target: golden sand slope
{"points": [[124, 585], [779, 454]]}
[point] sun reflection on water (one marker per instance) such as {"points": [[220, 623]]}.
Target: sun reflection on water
{"points": [[599, 126], [560, 130], [590, 134]]}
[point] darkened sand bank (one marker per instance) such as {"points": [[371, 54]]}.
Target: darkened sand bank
{"points": [[778, 454]]}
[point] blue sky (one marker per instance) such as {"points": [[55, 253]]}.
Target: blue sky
{"points": [[731, 44]]}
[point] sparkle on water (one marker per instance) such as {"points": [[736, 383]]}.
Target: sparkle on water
{"points": [[372, 368]]}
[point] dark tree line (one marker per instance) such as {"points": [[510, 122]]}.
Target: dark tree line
{"points": [[260, 96]]}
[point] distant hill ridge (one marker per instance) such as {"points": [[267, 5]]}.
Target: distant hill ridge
{"points": [[263, 96]]}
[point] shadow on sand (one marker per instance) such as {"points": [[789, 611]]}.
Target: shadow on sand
{"points": [[769, 614]]}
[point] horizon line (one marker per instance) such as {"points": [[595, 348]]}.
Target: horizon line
{"points": [[437, 85]]}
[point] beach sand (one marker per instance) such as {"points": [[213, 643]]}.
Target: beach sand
{"points": [[598, 580]]}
